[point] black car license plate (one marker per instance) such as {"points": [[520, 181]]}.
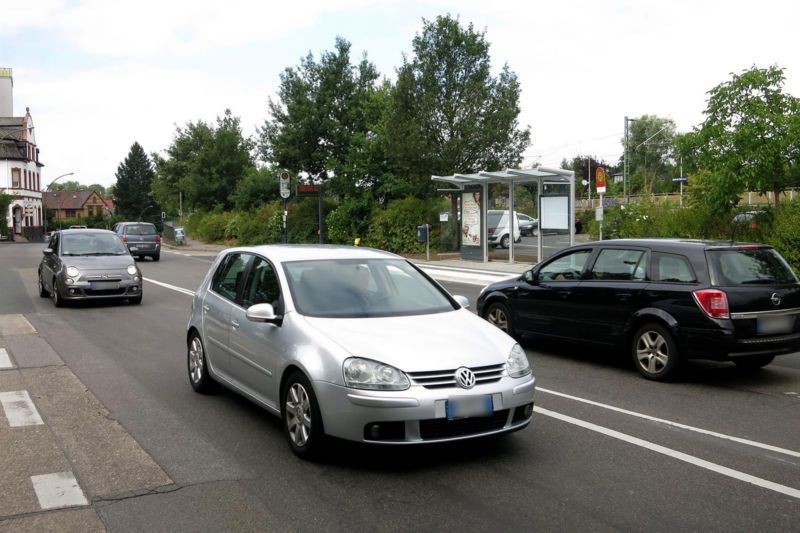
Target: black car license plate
{"points": [[469, 406], [770, 325]]}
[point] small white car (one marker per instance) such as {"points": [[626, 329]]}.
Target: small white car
{"points": [[498, 228]]}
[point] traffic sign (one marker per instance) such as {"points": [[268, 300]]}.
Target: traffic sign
{"points": [[600, 180], [682, 179], [284, 184]]}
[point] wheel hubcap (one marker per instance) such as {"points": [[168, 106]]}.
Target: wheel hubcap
{"points": [[298, 414], [652, 352], [196, 360], [499, 319]]}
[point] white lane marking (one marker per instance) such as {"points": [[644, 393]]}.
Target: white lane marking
{"points": [[5, 360], [58, 490], [674, 424], [168, 286], [464, 277], [19, 409], [691, 459]]}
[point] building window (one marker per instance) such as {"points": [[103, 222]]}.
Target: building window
{"points": [[71, 213], [15, 177]]}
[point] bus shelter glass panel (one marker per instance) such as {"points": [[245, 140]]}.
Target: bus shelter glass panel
{"points": [[555, 224]]}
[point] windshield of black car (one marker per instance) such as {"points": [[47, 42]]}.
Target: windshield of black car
{"points": [[362, 288], [749, 266], [141, 229], [82, 243]]}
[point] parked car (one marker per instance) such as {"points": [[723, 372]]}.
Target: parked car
{"points": [[498, 229], [527, 224], [664, 300], [354, 343], [749, 218], [77, 226], [88, 264], [142, 238], [180, 236]]}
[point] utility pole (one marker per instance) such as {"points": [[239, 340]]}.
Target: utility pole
{"points": [[625, 164]]}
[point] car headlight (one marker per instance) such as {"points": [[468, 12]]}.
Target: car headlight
{"points": [[132, 270], [517, 363], [73, 272], [367, 374]]}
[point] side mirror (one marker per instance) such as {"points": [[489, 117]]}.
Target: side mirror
{"points": [[463, 301], [47, 251], [263, 313], [529, 277]]}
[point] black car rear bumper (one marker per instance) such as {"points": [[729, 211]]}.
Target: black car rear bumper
{"points": [[722, 345]]}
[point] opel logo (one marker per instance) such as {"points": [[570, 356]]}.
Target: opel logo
{"points": [[465, 378], [775, 298]]}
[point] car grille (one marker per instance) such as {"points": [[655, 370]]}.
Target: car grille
{"points": [[441, 379], [109, 277], [443, 428], [104, 292]]}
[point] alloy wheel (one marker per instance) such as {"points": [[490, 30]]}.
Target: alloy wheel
{"points": [[497, 317], [652, 352], [196, 360], [298, 414]]}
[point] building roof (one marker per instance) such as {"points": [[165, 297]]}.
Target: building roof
{"points": [[68, 200], [11, 149], [12, 128]]}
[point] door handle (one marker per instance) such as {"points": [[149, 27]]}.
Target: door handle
{"points": [[564, 293], [234, 324]]}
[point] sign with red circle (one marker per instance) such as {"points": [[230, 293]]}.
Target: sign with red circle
{"points": [[600, 180]]}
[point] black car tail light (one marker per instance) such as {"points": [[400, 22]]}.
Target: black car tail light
{"points": [[713, 302]]}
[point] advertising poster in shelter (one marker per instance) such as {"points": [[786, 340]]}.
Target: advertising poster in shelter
{"points": [[471, 218]]}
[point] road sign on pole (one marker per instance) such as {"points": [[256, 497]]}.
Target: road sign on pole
{"points": [[600, 180]]}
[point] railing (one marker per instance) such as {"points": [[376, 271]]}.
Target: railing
{"points": [[748, 198]]}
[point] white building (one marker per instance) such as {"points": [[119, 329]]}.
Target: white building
{"points": [[20, 169]]}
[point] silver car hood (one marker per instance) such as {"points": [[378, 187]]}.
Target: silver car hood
{"points": [[98, 262], [421, 342]]}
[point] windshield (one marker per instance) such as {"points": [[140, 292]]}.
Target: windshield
{"points": [[141, 229], [749, 266], [362, 288], [92, 244]]}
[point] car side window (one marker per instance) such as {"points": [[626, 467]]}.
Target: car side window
{"points": [[672, 268], [620, 265], [228, 275], [262, 285], [566, 267]]}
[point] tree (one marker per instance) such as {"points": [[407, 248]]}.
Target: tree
{"points": [[324, 123], [651, 152], [258, 187], [585, 168], [750, 139], [205, 162], [448, 113], [5, 202], [134, 179]]}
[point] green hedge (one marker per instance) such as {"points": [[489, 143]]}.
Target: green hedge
{"points": [[395, 228]]}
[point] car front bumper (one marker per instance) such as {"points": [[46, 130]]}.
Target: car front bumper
{"points": [[86, 290], [418, 415]]}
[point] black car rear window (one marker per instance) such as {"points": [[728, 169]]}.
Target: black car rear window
{"points": [[749, 266], [141, 229]]}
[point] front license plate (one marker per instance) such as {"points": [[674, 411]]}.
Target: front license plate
{"points": [[775, 324], [469, 406], [133, 248], [103, 285]]}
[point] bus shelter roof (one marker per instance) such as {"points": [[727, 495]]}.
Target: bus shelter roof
{"points": [[510, 176]]}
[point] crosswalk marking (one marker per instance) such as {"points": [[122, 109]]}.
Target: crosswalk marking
{"points": [[5, 360], [58, 490], [19, 409]]}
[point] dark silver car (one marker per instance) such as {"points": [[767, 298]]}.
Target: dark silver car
{"points": [[83, 264], [354, 343]]}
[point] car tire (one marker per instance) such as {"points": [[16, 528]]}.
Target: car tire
{"points": [[504, 241], [302, 420], [754, 362], [58, 301], [43, 292], [196, 364], [655, 353], [156, 257], [498, 314]]}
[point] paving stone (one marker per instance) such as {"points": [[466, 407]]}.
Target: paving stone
{"points": [[15, 325]]}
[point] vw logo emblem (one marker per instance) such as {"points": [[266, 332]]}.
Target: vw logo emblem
{"points": [[465, 378], [775, 298]]}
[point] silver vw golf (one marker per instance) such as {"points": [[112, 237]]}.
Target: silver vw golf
{"points": [[354, 343]]}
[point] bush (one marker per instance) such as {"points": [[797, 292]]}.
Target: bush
{"points": [[784, 234], [349, 220], [395, 228]]}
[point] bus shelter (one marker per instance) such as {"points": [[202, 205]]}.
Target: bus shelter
{"points": [[554, 211]]}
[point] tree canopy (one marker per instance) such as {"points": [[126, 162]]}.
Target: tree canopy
{"points": [[134, 179], [749, 140], [651, 153], [448, 113]]}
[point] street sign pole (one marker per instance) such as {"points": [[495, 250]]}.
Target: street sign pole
{"points": [[283, 181], [600, 183]]}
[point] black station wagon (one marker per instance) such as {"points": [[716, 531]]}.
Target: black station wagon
{"points": [[664, 300]]}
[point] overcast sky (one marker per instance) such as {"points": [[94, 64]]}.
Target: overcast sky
{"points": [[101, 74]]}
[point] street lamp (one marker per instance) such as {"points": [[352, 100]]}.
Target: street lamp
{"points": [[143, 210], [44, 202]]}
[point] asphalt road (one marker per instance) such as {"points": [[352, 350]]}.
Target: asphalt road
{"points": [[607, 450]]}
